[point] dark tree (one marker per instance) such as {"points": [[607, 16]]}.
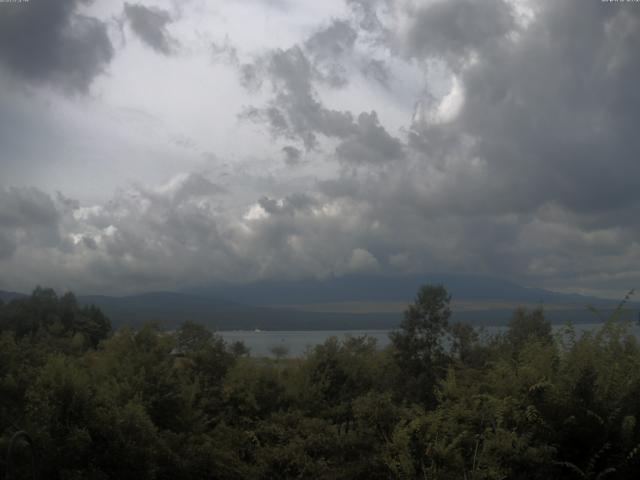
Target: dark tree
{"points": [[526, 326], [419, 350]]}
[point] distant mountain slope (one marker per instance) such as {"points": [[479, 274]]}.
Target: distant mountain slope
{"points": [[8, 296], [267, 305], [172, 309], [381, 288]]}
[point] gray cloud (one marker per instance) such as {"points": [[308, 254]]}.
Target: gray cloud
{"points": [[327, 48], [292, 155], [251, 75], [150, 24], [181, 233], [453, 29], [8, 244], [541, 148], [333, 41], [297, 202], [366, 12], [547, 117], [225, 52], [171, 236], [526, 169], [378, 70], [48, 41], [295, 112], [370, 143], [27, 216], [26, 206]]}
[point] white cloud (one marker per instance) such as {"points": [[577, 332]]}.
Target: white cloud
{"points": [[362, 261]]}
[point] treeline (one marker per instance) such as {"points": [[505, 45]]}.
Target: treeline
{"points": [[439, 403]]}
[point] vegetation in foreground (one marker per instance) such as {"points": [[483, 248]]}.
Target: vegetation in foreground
{"points": [[438, 403]]}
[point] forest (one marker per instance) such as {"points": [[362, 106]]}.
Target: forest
{"points": [[442, 401]]}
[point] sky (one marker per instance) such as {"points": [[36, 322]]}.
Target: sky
{"points": [[175, 143]]}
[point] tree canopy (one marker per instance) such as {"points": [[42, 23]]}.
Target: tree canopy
{"points": [[440, 402]]}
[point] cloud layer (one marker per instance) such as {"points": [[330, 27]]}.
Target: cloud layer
{"points": [[150, 24], [491, 137], [48, 41]]}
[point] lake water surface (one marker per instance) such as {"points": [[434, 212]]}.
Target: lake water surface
{"points": [[297, 342]]}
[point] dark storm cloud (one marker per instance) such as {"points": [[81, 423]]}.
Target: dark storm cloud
{"points": [[543, 148], [550, 116], [47, 41], [452, 29], [150, 24], [532, 176], [527, 169]]}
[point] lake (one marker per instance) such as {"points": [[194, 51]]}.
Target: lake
{"points": [[297, 342]]}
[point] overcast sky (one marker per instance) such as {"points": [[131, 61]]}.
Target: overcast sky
{"points": [[165, 144]]}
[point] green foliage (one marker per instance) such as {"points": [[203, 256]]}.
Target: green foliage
{"points": [[60, 321], [419, 350], [438, 403], [526, 327]]}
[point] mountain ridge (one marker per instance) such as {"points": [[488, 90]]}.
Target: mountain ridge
{"points": [[385, 288], [266, 305]]}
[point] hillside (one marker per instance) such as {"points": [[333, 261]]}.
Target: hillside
{"points": [[351, 302], [381, 288]]}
